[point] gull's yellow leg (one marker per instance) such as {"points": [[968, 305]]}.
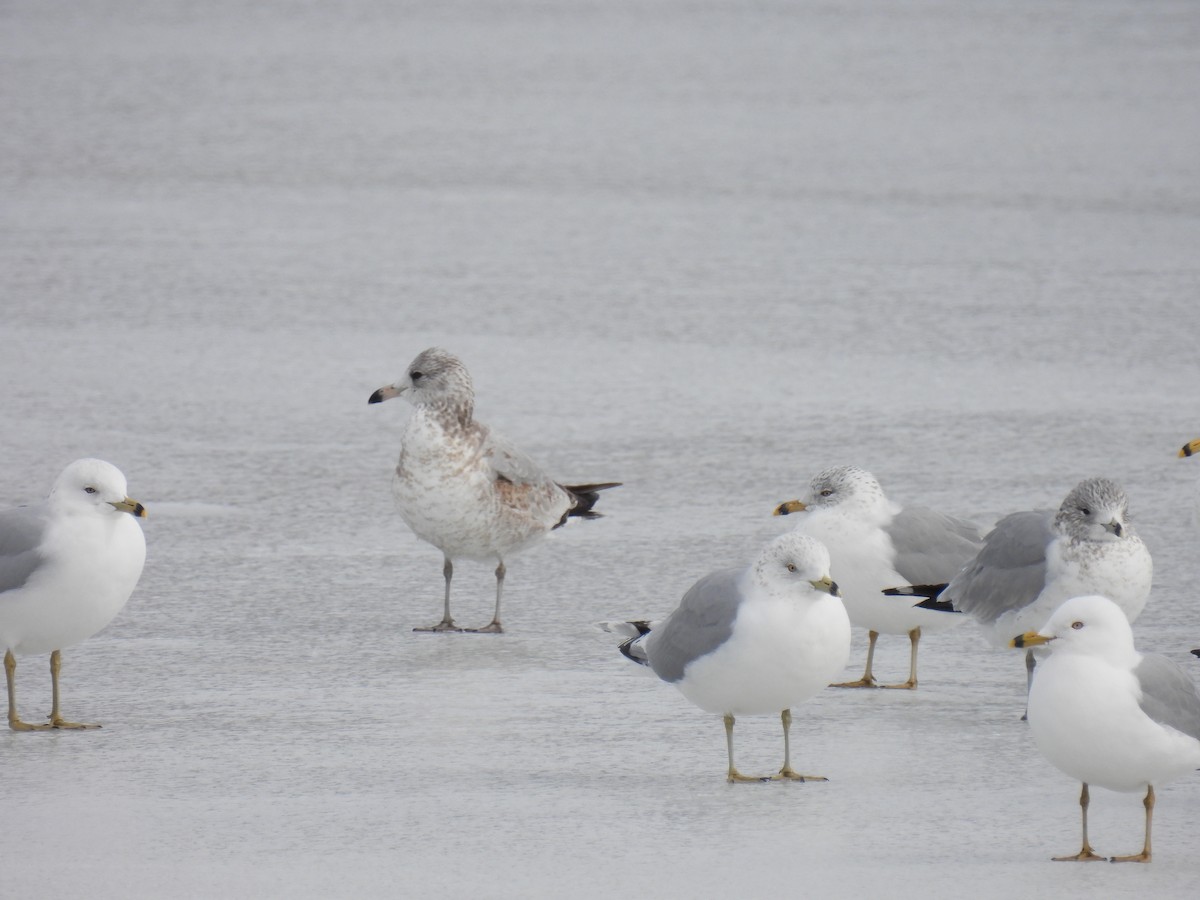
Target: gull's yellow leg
{"points": [[1144, 856], [734, 774], [914, 638], [867, 680], [56, 720], [1086, 854], [10, 674], [787, 772]]}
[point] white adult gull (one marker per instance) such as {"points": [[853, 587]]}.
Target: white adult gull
{"points": [[1032, 561], [67, 567], [1106, 714], [753, 641], [875, 544], [462, 487]]}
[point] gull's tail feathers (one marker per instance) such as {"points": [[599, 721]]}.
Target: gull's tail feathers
{"points": [[932, 593], [585, 497], [633, 632]]}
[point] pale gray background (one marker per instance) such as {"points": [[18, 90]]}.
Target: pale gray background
{"points": [[703, 248]]}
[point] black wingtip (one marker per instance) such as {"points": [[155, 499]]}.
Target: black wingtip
{"points": [[1196, 652], [937, 605], [916, 590], [631, 649], [586, 496]]}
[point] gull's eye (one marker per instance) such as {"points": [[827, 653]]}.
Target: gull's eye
{"points": [[89, 490], [1076, 625], [791, 567], [416, 376], [828, 492], [1085, 510]]}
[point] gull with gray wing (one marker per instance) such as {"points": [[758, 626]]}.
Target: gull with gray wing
{"points": [[753, 641], [67, 567], [1032, 561], [875, 544], [1106, 714]]}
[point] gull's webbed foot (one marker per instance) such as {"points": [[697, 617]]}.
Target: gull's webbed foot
{"points": [[1084, 855], [446, 626], [787, 773], [867, 681], [492, 627]]}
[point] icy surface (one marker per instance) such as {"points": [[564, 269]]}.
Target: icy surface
{"points": [[706, 249]]}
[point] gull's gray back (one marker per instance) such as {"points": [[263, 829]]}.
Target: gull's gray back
{"points": [[1168, 695], [21, 531], [1009, 572], [702, 622], [931, 547]]}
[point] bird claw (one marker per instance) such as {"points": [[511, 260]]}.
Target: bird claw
{"points": [[446, 626]]}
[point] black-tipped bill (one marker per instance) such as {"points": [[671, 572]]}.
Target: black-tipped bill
{"points": [[1191, 448], [826, 584], [1029, 639], [130, 506], [384, 393], [791, 506]]}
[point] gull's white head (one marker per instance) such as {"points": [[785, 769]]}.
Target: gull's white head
{"points": [[793, 561], [1091, 625], [1095, 510], [435, 377], [93, 486], [845, 488]]}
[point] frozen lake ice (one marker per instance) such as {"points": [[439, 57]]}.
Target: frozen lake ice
{"points": [[700, 248]]}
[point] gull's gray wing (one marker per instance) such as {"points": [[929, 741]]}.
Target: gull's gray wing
{"points": [[21, 532], [931, 547], [1168, 695], [1009, 572], [702, 622], [507, 461]]}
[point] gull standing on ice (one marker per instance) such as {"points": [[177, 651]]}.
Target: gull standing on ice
{"points": [[876, 544], [753, 641], [1106, 714], [1032, 561], [462, 487], [67, 567]]}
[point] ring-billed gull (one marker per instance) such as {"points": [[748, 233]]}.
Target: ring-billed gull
{"points": [[1032, 561], [1106, 714], [67, 567], [754, 641], [462, 487], [877, 544]]}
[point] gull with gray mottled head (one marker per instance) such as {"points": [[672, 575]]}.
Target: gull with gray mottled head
{"points": [[462, 487], [875, 544], [1032, 561]]}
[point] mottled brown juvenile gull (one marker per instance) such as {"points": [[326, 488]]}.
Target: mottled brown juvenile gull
{"points": [[1106, 714], [1032, 561], [67, 567], [462, 487], [875, 544], [753, 641]]}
